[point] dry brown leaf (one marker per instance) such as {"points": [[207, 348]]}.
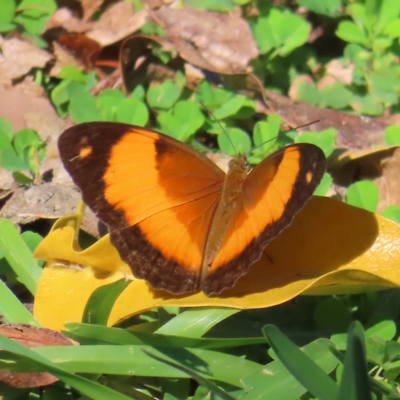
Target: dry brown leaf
{"points": [[89, 7], [30, 336], [343, 73], [353, 131], [389, 181], [65, 18], [48, 200], [74, 49], [18, 101], [18, 58], [224, 41], [117, 22]]}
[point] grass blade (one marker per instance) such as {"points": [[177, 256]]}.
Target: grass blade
{"points": [[195, 323], [91, 389], [101, 302], [355, 384], [122, 336], [12, 309], [303, 368], [202, 381], [19, 256]]}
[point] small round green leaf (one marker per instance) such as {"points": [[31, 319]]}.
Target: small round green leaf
{"points": [[132, 111], [164, 95], [392, 135], [363, 194], [234, 141]]}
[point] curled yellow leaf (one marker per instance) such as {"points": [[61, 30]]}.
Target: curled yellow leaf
{"points": [[330, 247]]}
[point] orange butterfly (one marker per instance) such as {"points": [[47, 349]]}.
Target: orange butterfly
{"points": [[176, 219]]}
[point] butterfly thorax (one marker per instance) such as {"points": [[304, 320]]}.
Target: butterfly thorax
{"points": [[231, 190]]}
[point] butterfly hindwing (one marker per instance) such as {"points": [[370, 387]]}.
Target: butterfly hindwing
{"points": [[273, 192]]}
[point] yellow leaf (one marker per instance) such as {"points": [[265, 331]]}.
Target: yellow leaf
{"points": [[330, 247]]}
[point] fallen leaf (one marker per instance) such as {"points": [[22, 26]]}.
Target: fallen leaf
{"points": [[116, 23], [30, 336], [74, 49], [90, 7], [65, 18], [18, 58], [224, 41], [353, 131], [389, 181], [334, 248]]}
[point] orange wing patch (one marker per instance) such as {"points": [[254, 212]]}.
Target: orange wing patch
{"points": [[273, 193], [173, 215]]}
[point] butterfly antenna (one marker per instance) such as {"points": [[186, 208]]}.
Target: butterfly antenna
{"points": [[222, 128]]}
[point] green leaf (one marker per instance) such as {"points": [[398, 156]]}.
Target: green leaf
{"points": [[107, 102], [7, 128], [101, 302], [383, 328], [184, 122], [210, 5], [32, 239], [82, 108], [367, 104], [363, 194], [169, 124], [392, 135], [230, 107], [263, 35], [12, 310], [324, 7], [392, 29], [124, 359], [19, 256], [385, 85], [392, 212], [10, 161], [138, 93], [308, 92], [22, 178], [195, 323], [93, 334], [350, 32], [163, 95], [37, 8], [234, 141], [88, 387], [389, 13], [290, 30], [7, 11], [355, 382], [324, 139], [265, 132], [324, 185], [132, 111], [25, 138], [335, 96], [5, 141], [302, 367], [194, 375], [274, 381], [73, 74]]}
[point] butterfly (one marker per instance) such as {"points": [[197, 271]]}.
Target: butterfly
{"points": [[176, 218]]}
